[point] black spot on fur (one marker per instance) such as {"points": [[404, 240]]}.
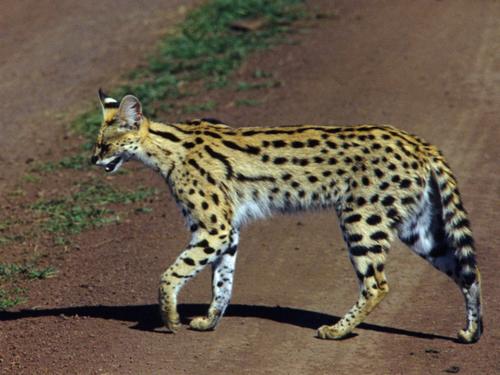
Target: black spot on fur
{"points": [[209, 250], [280, 160], [374, 220], [405, 183], [318, 160], [369, 271], [215, 199], [312, 143], [312, 179], [231, 250], [297, 144], [189, 261], [352, 219], [384, 185], [379, 235], [278, 143], [395, 178], [388, 200], [359, 250], [378, 173], [331, 144], [355, 237]]}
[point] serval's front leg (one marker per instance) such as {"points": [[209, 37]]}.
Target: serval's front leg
{"points": [[205, 248], [222, 285]]}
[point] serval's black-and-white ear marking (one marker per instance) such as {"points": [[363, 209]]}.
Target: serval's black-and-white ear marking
{"points": [[109, 106], [106, 101], [382, 182]]}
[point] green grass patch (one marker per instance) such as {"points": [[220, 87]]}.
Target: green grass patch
{"points": [[13, 273], [77, 162], [85, 208], [247, 102], [10, 297], [31, 178], [246, 86], [9, 271], [259, 73]]}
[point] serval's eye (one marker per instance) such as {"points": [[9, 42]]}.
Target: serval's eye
{"points": [[104, 147]]}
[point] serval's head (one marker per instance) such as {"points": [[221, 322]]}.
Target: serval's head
{"points": [[119, 136]]}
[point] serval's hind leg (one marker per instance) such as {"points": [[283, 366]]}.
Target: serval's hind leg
{"points": [[368, 238], [449, 247]]}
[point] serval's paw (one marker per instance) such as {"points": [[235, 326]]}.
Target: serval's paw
{"points": [[173, 326], [203, 323], [332, 332], [171, 321], [472, 334]]}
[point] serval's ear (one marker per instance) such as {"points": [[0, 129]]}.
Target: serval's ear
{"points": [[108, 104], [130, 112]]}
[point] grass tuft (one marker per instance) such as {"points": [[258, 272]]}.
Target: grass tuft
{"points": [[10, 298], [86, 208], [247, 102], [9, 271], [12, 273]]}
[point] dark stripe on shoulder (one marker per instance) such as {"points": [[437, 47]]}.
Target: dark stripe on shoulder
{"points": [[247, 149], [221, 158], [212, 120], [212, 134], [242, 177], [178, 128], [166, 135]]}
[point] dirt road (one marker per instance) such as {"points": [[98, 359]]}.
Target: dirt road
{"points": [[430, 67]]}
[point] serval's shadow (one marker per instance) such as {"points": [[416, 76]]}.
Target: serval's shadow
{"points": [[146, 317]]}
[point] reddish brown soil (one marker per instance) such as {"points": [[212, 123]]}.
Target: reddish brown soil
{"points": [[430, 67]]}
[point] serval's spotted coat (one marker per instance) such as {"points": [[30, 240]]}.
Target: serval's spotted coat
{"points": [[382, 182]]}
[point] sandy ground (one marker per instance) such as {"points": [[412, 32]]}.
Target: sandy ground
{"points": [[430, 67]]}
